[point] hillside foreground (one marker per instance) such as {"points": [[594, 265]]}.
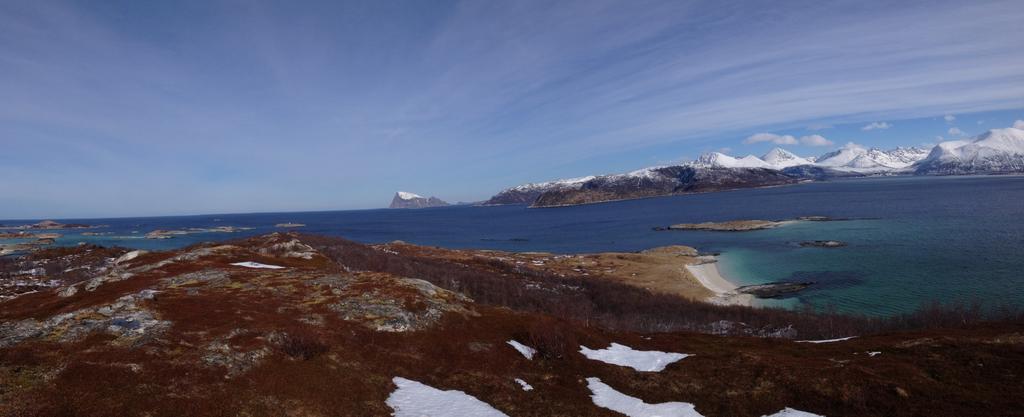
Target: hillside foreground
{"points": [[302, 325]]}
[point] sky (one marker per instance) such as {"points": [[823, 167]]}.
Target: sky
{"points": [[129, 108]]}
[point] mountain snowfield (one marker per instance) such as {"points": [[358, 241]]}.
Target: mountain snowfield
{"points": [[852, 158], [996, 151]]}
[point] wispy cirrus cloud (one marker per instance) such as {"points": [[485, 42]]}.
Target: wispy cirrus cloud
{"points": [[770, 137], [342, 97], [808, 140]]}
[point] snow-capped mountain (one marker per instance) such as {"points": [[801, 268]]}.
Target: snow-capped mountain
{"points": [[995, 151], [721, 160], [662, 181], [781, 158], [528, 193], [859, 159], [404, 199]]}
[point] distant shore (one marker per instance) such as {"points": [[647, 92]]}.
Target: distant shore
{"points": [[710, 277]]}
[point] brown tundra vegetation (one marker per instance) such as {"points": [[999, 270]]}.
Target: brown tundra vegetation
{"points": [[319, 326]]}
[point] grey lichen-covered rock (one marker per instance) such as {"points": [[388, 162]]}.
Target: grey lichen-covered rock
{"points": [[220, 353], [129, 256], [211, 277], [67, 291], [418, 307], [126, 319], [289, 249], [113, 276]]}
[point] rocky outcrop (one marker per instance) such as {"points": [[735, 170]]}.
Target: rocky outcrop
{"points": [[405, 200], [774, 289]]}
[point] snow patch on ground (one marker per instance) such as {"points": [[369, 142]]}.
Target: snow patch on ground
{"points": [[607, 397], [527, 351], [641, 360], [873, 354], [524, 385], [256, 265], [413, 399], [789, 412], [826, 340]]}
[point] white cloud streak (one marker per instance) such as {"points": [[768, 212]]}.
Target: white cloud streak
{"points": [[815, 140], [770, 137], [808, 140], [876, 126]]}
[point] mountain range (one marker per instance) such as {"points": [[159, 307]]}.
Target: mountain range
{"points": [[997, 151]]}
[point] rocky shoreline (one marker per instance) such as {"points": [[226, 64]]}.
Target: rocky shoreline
{"points": [[774, 289]]}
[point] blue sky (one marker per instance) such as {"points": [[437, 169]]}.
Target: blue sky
{"points": [[127, 108]]}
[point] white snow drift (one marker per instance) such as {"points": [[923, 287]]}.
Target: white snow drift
{"points": [[789, 412], [413, 399], [641, 360], [527, 351], [607, 397], [256, 265], [841, 339]]}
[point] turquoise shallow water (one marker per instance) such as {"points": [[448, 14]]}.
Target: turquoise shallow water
{"points": [[912, 240]]}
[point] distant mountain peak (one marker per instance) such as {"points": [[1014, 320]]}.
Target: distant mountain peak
{"points": [[781, 158]]}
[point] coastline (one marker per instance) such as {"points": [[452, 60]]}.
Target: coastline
{"points": [[708, 275]]}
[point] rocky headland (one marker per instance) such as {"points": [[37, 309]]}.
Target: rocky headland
{"points": [[406, 200]]}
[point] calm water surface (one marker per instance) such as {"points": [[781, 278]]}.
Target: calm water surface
{"points": [[912, 240]]}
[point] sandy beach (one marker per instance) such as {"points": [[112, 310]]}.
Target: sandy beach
{"points": [[725, 292]]}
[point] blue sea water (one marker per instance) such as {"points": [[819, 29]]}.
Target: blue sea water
{"points": [[912, 240]]}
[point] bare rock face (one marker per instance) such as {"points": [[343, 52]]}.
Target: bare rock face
{"points": [[405, 200]]}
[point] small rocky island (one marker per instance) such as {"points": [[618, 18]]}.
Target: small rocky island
{"points": [[822, 244], [49, 225], [729, 226], [743, 225], [406, 200]]}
